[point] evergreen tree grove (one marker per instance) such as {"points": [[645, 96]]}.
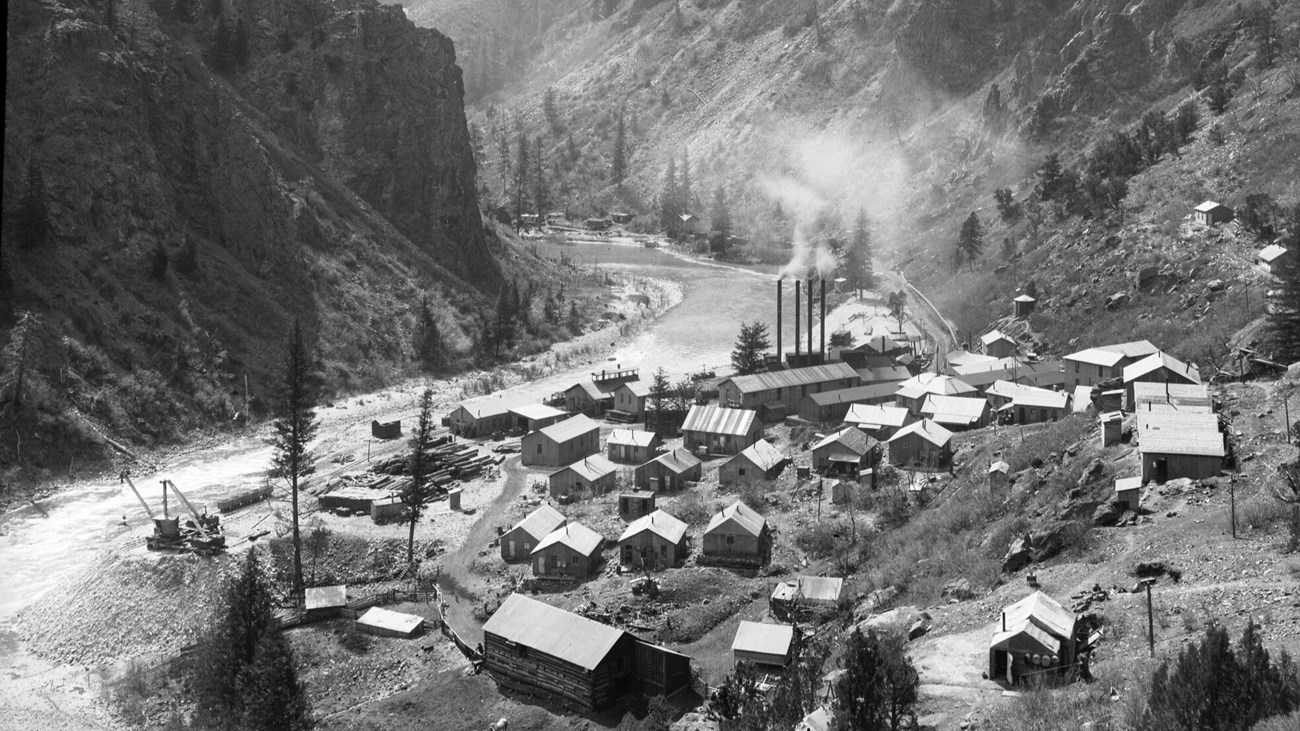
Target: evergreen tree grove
{"points": [[879, 686]]}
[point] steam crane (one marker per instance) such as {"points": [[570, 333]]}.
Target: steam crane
{"points": [[199, 533]]}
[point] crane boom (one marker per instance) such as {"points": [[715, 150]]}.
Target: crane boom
{"points": [[186, 502], [126, 477]]}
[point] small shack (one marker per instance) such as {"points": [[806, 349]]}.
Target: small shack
{"points": [[1024, 305], [592, 475], [767, 646], [922, 443], [1112, 427], [561, 444], [518, 542], [1174, 445], [386, 430], [720, 430], [998, 344], [738, 533], [1211, 212], [630, 397], [633, 505], [759, 461], [1032, 635], [632, 445], [387, 623], [1271, 257], [325, 601], [846, 451], [571, 551], [654, 541], [998, 472], [1128, 492], [1158, 368], [669, 471], [816, 593], [957, 413]]}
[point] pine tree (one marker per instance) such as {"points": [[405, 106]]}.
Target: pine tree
{"points": [[858, 256], [32, 226], [721, 216], [620, 147], [879, 686], [521, 177], [1050, 178], [659, 398], [428, 340], [747, 357], [669, 201], [419, 491], [685, 199], [17, 359], [294, 427], [575, 319], [1284, 320], [540, 196], [971, 241], [548, 108]]}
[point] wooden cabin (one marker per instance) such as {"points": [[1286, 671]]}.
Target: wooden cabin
{"points": [[998, 344], [738, 533], [592, 475], [669, 471], [758, 461], [720, 430], [1174, 444], [845, 451], [922, 443], [584, 397], [517, 543], [1018, 404], [571, 551], [830, 407], [632, 445], [914, 392], [1209, 213], [1112, 427], [1158, 368], [531, 646], [325, 601], [769, 647], [630, 398], [654, 541], [1128, 492], [785, 387], [561, 444], [957, 413], [877, 421], [998, 472], [633, 505], [480, 419], [1033, 635], [1094, 365], [1272, 258]]}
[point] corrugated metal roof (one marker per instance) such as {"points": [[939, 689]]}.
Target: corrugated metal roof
{"points": [[954, 409], [544, 628], [1128, 483], [324, 597], [719, 420], [537, 411], [743, 515], [994, 336], [1096, 356], [678, 460], [390, 620], [1133, 348], [773, 380], [1208, 206], [927, 383], [660, 523], [1179, 432], [569, 428], [1183, 396], [485, 408], [927, 430], [1156, 361], [849, 437], [763, 454], [1043, 611], [820, 588], [542, 521], [876, 416], [574, 535], [631, 438], [763, 638], [589, 388], [855, 394], [591, 468]]}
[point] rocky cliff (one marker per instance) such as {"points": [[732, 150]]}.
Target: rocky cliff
{"points": [[324, 176]]}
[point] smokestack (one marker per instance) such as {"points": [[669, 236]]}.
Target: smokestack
{"points": [[796, 317], [778, 319], [823, 318], [810, 314]]}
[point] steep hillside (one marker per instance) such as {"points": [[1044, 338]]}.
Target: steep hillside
{"points": [[914, 111], [322, 176]]}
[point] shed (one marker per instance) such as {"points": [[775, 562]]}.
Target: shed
{"points": [[998, 472], [768, 646], [570, 551], [720, 430], [531, 417], [807, 592], [654, 541], [759, 461], [877, 421], [923, 443], [1158, 368], [480, 419], [1211, 212], [562, 443], [1128, 492], [1112, 427], [633, 505], [632, 445], [630, 398], [738, 532], [1024, 305], [325, 601], [1270, 257], [669, 471], [621, 218], [1034, 634], [998, 344], [847, 450], [1174, 444], [592, 475], [386, 430], [518, 542], [387, 623]]}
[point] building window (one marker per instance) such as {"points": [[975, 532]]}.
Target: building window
{"points": [[731, 540], [539, 448], [1076, 367], [1099, 372], [554, 560], [742, 471]]}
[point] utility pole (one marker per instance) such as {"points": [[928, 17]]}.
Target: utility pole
{"points": [[1286, 411], [1151, 634], [1232, 487]]}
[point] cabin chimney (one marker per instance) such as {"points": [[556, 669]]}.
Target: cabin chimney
{"points": [[796, 317], [778, 319]]}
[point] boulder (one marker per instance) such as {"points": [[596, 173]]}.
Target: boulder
{"points": [[900, 619], [1108, 514], [959, 589], [875, 600]]}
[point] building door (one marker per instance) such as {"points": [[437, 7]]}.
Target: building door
{"points": [[1162, 469], [1011, 678], [541, 565], [510, 548]]}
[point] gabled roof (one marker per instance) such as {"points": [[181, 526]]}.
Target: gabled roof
{"points": [[793, 377], [660, 523], [679, 461], [954, 409], [574, 535], [927, 430], [962, 359], [1043, 611], [1179, 432], [569, 428], [1000, 466], [850, 438], [541, 521], [1025, 298], [763, 638], [544, 628], [590, 468], [325, 597], [742, 515], [1210, 206], [1271, 252], [762, 454], [1044, 642], [882, 345], [855, 394], [872, 375], [485, 408], [994, 336], [632, 438], [1109, 355], [587, 387], [638, 388], [1047, 371], [537, 411], [1022, 395], [1155, 362], [932, 383], [1174, 396], [720, 420], [875, 416]]}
